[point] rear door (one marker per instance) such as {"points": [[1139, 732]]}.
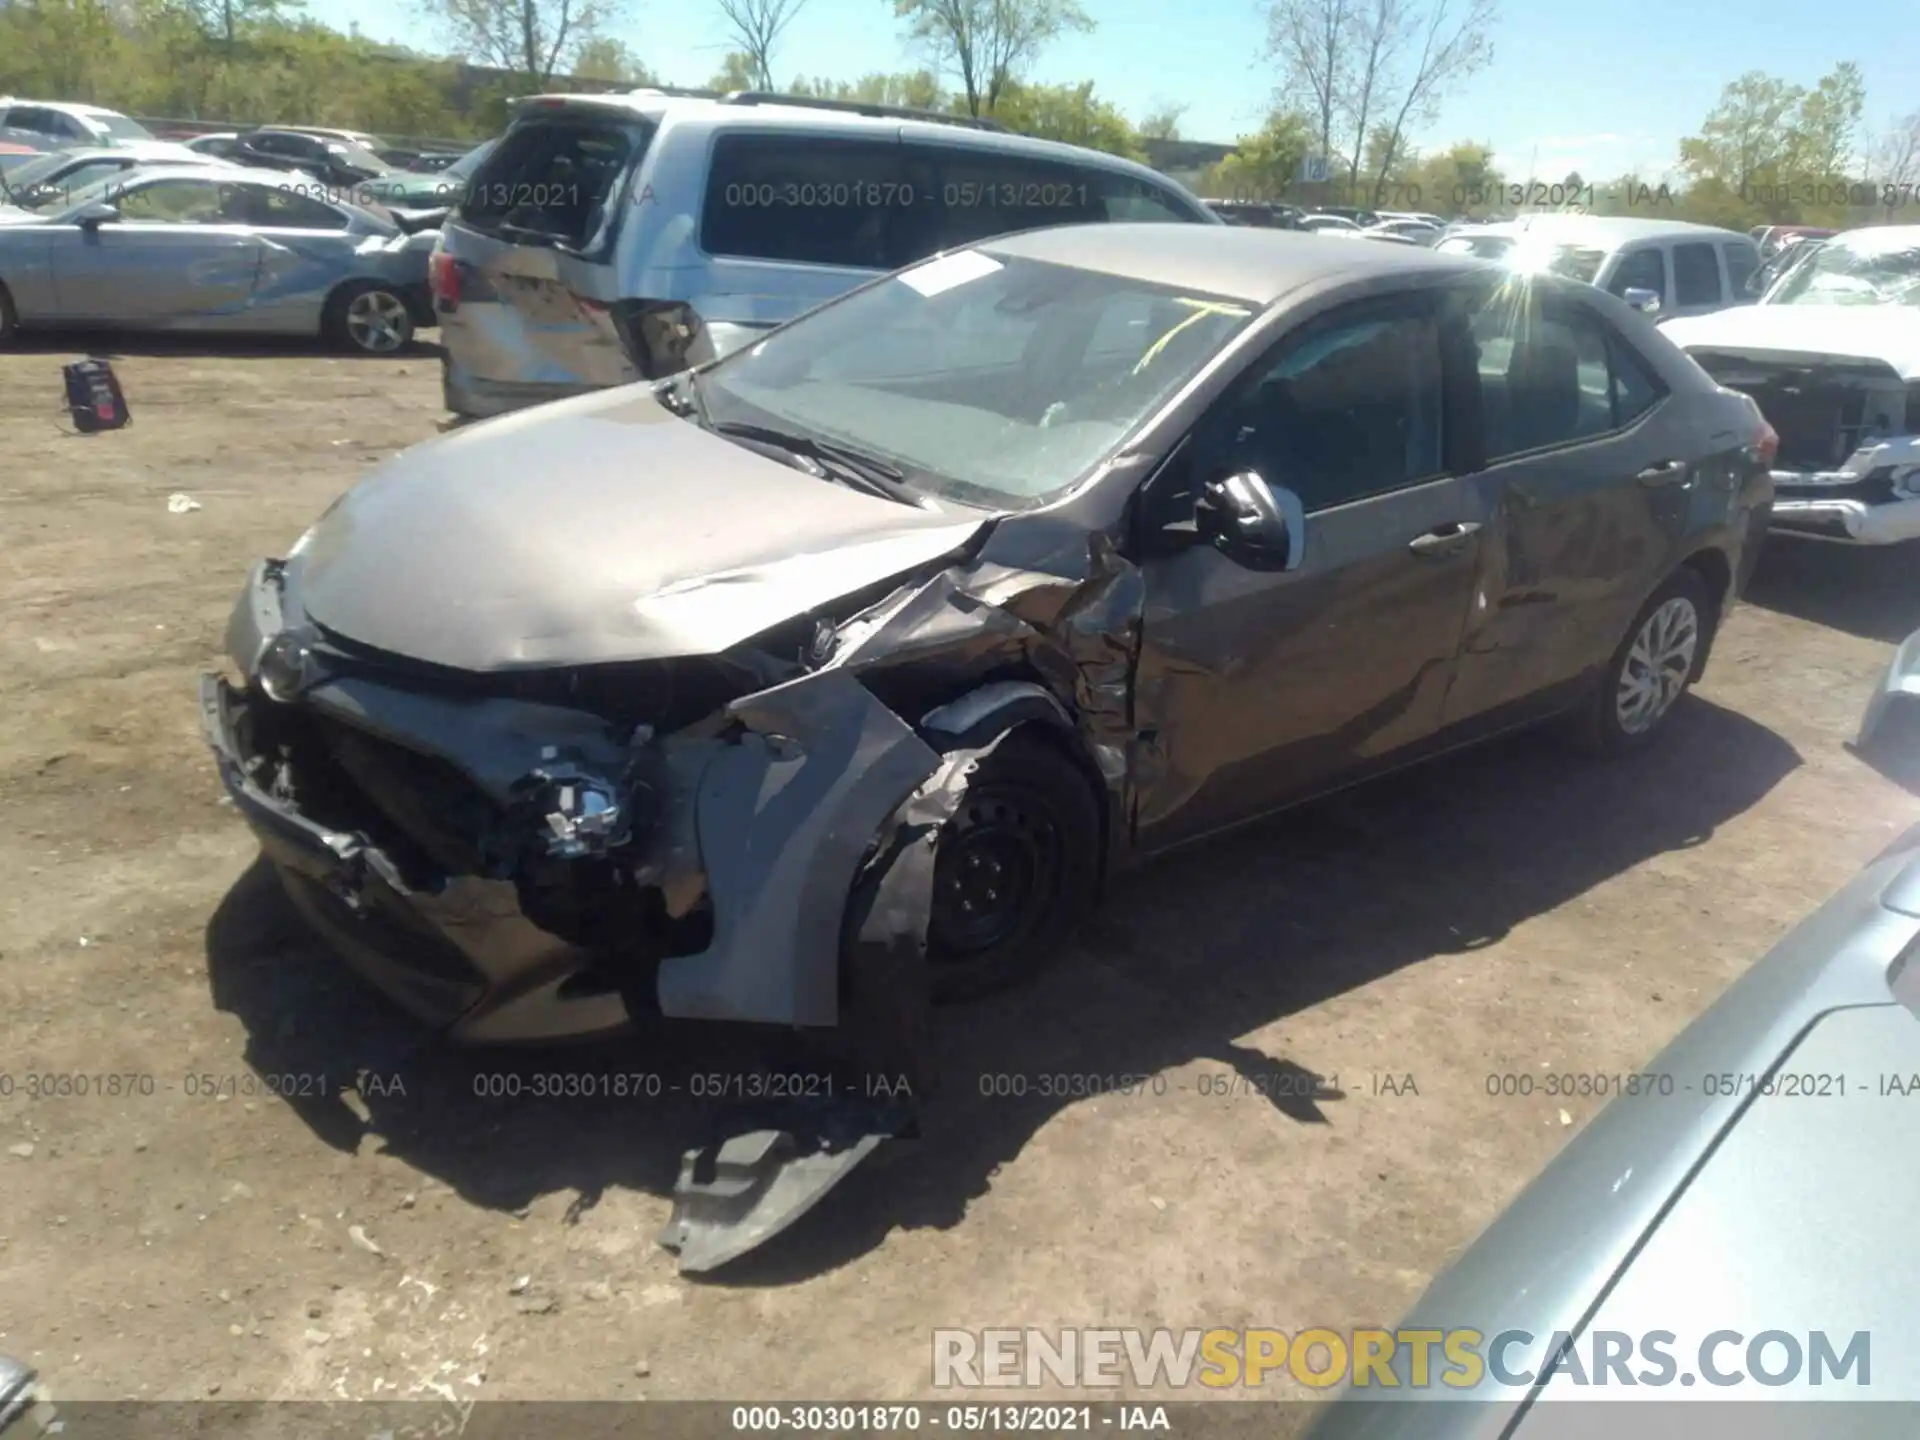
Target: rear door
{"points": [[304, 245], [1575, 430], [175, 251], [1261, 687]]}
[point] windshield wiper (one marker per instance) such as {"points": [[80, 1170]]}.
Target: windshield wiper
{"points": [[849, 467]]}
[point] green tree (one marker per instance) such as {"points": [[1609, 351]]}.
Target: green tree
{"points": [[1749, 131], [535, 38], [1828, 124], [1067, 113], [916, 89], [735, 73], [1266, 164], [1162, 122], [986, 44], [605, 58], [1462, 179]]}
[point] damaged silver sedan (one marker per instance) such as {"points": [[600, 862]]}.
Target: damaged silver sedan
{"points": [[838, 676]]}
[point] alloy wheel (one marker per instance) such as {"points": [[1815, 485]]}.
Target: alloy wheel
{"points": [[1657, 666], [377, 322]]}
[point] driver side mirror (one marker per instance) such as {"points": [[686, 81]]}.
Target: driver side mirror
{"points": [[100, 212], [1252, 523], [1647, 302]]}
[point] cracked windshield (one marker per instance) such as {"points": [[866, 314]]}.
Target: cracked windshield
{"points": [[1014, 717]]}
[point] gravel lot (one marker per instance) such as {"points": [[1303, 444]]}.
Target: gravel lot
{"points": [[1514, 910]]}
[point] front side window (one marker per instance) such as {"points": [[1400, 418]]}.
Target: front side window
{"points": [[978, 376], [984, 194], [1125, 198], [806, 199], [1347, 410], [175, 202], [1640, 270], [119, 127], [1696, 275]]}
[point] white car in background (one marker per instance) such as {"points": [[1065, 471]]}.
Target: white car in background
{"points": [[70, 124], [1831, 354], [1675, 268]]}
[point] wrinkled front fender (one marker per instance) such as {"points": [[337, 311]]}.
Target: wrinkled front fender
{"points": [[785, 818]]}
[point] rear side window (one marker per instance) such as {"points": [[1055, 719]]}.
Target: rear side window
{"points": [[555, 181], [1641, 270], [808, 199], [286, 208], [1696, 275], [1552, 373], [1742, 262]]}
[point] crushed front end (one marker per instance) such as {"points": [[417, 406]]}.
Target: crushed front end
{"points": [[1849, 461], [747, 836]]}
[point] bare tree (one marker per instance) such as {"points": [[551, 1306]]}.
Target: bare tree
{"points": [[987, 43], [1452, 46], [1365, 65], [1897, 161], [753, 27], [534, 38], [1309, 39]]}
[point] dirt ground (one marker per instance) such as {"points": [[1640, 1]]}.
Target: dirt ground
{"points": [[1513, 910]]}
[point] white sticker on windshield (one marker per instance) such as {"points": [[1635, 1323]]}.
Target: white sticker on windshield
{"points": [[943, 274]]}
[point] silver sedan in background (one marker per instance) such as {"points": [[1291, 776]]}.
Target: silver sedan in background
{"points": [[189, 247]]}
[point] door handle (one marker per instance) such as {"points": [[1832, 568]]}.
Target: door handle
{"points": [[1444, 539], [1667, 472]]}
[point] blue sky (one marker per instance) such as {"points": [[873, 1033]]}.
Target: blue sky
{"points": [[1602, 90]]}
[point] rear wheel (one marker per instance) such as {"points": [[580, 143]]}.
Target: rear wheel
{"points": [[369, 317], [1653, 667], [1016, 869]]}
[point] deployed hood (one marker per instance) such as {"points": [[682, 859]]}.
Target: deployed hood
{"points": [[1887, 333], [598, 529]]}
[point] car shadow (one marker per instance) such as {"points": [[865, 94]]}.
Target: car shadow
{"points": [[1192, 953], [1872, 591], [110, 345]]}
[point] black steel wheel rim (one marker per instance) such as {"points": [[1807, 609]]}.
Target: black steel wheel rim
{"points": [[997, 871]]}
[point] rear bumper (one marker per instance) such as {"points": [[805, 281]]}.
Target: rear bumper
{"points": [[467, 394], [1849, 521]]}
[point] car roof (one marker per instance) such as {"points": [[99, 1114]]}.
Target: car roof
{"points": [[1255, 265], [772, 115], [224, 173], [1611, 231]]}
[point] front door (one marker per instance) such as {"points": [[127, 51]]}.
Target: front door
{"points": [[174, 251], [1257, 688]]}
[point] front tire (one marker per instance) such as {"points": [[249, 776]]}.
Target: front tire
{"points": [[1016, 869], [1655, 665], [368, 317]]}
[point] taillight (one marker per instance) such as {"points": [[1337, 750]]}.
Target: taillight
{"points": [[1767, 446], [443, 277]]}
